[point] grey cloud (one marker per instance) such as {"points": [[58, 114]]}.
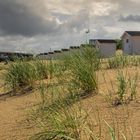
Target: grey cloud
{"points": [[18, 19], [78, 21], [130, 18], [61, 16]]}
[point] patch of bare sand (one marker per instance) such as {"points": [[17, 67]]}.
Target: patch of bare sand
{"points": [[121, 118], [14, 123]]}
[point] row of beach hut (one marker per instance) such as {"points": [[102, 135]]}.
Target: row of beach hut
{"points": [[56, 54]]}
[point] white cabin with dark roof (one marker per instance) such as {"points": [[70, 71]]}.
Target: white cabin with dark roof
{"points": [[131, 42], [106, 47]]}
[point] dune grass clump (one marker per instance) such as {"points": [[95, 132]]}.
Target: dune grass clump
{"points": [[20, 74], [133, 84], [119, 61], [125, 88], [122, 86], [135, 61], [55, 68], [63, 124], [41, 69], [82, 66]]}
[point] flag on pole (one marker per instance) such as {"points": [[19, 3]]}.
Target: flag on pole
{"points": [[87, 31]]}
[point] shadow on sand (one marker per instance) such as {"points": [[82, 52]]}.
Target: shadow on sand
{"points": [[23, 91]]}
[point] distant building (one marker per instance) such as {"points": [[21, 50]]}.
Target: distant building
{"points": [[74, 49], [50, 55], [131, 42], [43, 56], [106, 47], [65, 51], [11, 56], [92, 42], [57, 54]]}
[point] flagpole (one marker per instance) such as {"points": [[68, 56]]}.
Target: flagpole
{"points": [[86, 38], [87, 32]]}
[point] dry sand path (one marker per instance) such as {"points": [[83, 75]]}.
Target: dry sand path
{"points": [[14, 124]]}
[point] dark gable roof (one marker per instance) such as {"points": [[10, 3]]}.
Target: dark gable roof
{"points": [[50, 52], [65, 50], [57, 51], [106, 40], [133, 33], [74, 47]]}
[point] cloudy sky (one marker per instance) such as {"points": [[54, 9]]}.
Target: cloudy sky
{"points": [[38, 25]]}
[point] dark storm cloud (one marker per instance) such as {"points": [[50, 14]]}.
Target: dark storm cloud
{"points": [[130, 18], [19, 19]]}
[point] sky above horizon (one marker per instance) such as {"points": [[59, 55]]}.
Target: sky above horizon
{"points": [[40, 25]]}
